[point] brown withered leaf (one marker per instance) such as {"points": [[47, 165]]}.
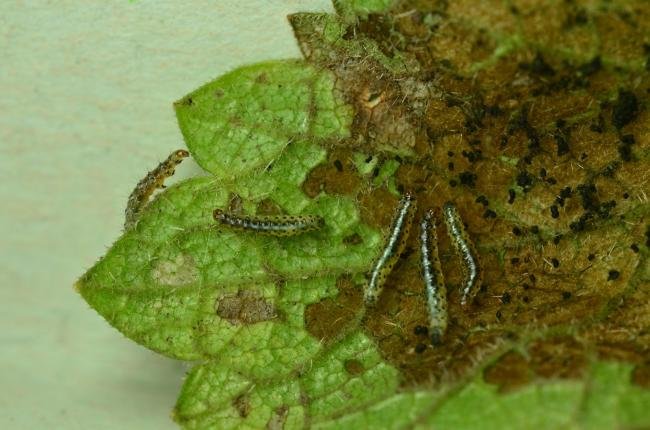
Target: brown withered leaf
{"points": [[533, 119]]}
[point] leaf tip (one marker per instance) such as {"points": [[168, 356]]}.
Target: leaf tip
{"points": [[77, 286]]}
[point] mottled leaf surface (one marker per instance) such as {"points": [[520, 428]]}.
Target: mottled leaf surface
{"points": [[531, 116]]}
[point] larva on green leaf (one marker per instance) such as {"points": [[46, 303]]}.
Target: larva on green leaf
{"points": [[465, 250], [145, 188], [434, 283], [399, 232], [281, 225]]}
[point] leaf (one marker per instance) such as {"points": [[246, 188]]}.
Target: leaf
{"points": [[350, 9], [532, 118], [286, 101], [166, 282], [608, 401]]}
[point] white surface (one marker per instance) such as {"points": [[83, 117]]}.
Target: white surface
{"points": [[86, 93]]}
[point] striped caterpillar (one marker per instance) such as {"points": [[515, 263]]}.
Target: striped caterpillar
{"points": [[281, 225], [434, 284], [139, 198]]}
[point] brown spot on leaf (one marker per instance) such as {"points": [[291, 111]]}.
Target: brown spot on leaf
{"points": [[245, 307], [262, 78], [180, 270], [185, 101], [242, 405], [330, 318], [353, 239], [384, 122], [369, 99], [235, 203], [268, 207], [641, 375], [623, 335], [558, 358], [353, 367], [279, 417], [509, 372], [338, 175], [377, 207]]}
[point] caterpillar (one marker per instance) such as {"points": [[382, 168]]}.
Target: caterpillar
{"points": [[147, 185], [434, 283], [282, 225], [465, 250], [399, 232]]}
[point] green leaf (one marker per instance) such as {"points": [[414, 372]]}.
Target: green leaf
{"points": [[285, 102], [215, 396], [610, 401], [168, 282], [607, 401]]}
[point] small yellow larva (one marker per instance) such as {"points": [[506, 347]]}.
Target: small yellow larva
{"points": [[145, 188], [434, 282], [399, 232], [465, 250], [281, 225]]}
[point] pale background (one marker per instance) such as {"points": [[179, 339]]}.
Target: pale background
{"points": [[86, 93]]}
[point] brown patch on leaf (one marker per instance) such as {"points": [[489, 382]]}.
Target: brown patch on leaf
{"points": [[279, 417], [268, 207], [242, 405], [377, 207], [245, 307], [338, 175], [537, 130], [641, 375], [623, 334], [235, 203], [330, 318], [181, 270], [353, 367], [380, 119], [401, 308], [461, 45], [558, 358], [510, 371], [353, 239], [630, 25]]}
